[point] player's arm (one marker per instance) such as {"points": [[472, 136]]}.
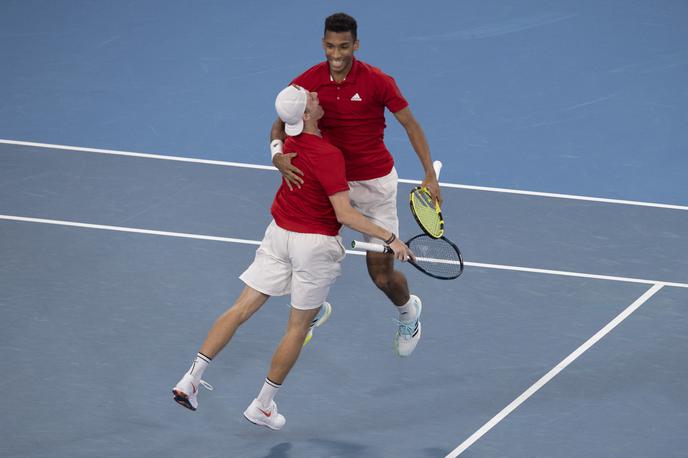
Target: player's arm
{"points": [[349, 216], [420, 146], [281, 160]]}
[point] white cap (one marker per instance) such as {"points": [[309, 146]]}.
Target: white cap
{"points": [[291, 105]]}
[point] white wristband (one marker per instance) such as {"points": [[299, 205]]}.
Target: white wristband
{"points": [[275, 148]]}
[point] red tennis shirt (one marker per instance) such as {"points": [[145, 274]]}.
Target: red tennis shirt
{"points": [[308, 209], [354, 118]]}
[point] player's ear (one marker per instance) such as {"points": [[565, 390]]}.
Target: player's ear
{"points": [[356, 44]]}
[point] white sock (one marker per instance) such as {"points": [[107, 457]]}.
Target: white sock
{"points": [[268, 392], [407, 311], [200, 364]]}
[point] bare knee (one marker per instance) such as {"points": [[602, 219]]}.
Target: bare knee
{"points": [[389, 281], [248, 302], [300, 321], [298, 327], [382, 280], [239, 314], [381, 269]]}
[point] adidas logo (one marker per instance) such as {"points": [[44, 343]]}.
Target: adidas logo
{"points": [[356, 98]]}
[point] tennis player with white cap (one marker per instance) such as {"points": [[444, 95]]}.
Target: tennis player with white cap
{"points": [[300, 254]]}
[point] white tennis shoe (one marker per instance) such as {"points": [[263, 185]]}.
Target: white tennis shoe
{"points": [[408, 332], [257, 414], [186, 391], [323, 315]]}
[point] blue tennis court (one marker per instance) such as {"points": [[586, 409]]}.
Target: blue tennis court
{"points": [[135, 186]]}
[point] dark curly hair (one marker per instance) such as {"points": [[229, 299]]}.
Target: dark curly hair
{"points": [[341, 22]]}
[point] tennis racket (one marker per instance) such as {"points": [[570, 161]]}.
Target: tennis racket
{"points": [[437, 257], [426, 210]]}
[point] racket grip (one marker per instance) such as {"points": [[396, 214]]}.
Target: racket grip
{"points": [[371, 247]]}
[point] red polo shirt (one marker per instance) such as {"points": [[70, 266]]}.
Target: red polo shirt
{"points": [[354, 118], [308, 209]]}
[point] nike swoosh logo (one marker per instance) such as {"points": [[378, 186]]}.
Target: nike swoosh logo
{"points": [[264, 412], [194, 388]]}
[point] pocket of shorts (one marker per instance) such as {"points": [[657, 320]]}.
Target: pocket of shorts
{"points": [[341, 251], [390, 184]]}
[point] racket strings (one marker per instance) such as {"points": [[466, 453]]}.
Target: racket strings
{"points": [[424, 207], [436, 256]]}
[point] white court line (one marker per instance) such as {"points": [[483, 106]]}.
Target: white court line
{"points": [[565, 273], [133, 154], [354, 252], [552, 373], [128, 229], [401, 180]]}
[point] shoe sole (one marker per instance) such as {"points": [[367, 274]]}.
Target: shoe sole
{"points": [[325, 316], [182, 399], [260, 424]]}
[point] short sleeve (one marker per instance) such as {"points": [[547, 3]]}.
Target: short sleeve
{"points": [[308, 79], [300, 80], [390, 94]]}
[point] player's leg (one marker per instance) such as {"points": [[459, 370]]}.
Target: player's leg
{"points": [[390, 281], [263, 410], [393, 283], [377, 200], [268, 275], [186, 390], [316, 261], [248, 303], [320, 258], [288, 350]]}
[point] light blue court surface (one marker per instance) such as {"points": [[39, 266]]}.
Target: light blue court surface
{"points": [[566, 336], [99, 323]]}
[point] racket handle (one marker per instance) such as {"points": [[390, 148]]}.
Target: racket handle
{"points": [[437, 165], [371, 247]]}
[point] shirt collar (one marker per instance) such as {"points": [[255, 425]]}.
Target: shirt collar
{"points": [[350, 77]]}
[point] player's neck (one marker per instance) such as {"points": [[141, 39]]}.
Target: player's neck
{"points": [[340, 76], [312, 128]]}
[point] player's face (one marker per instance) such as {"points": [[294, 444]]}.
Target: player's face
{"points": [[313, 106], [339, 50]]}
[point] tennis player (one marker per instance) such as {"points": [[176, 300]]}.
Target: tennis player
{"points": [[354, 95], [300, 254]]}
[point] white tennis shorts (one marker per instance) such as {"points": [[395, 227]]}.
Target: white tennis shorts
{"points": [[377, 200], [305, 265]]}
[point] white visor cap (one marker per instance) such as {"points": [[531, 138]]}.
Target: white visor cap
{"points": [[291, 105]]}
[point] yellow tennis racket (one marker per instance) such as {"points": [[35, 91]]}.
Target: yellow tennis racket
{"points": [[426, 210]]}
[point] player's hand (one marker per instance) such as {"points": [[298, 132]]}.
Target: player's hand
{"points": [[288, 171], [433, 186], [401, 251]]}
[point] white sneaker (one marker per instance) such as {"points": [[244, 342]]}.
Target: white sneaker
{"points": [[408, 333], [323, 315], [186, 391], [270, 417]]}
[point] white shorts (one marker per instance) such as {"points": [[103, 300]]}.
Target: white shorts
{"points": [[305, 265], [377, 200]]}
